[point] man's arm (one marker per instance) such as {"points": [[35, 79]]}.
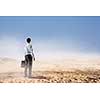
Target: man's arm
{"points": [[33, 55]]}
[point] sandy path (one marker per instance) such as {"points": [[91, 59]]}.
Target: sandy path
{"points": [[53, 77], [63, 71]]}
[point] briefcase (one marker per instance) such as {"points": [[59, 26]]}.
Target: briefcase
{"points": [[23, 64]]}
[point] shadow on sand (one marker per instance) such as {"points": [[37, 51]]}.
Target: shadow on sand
{"points": [[38, 77]]}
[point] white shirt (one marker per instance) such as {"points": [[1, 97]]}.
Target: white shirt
{"points": [[28, 49]]}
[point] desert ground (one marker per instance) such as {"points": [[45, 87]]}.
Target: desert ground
{"points": [[67, 70]]}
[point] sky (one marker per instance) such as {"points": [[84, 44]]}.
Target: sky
{"points": [[51, 35]]}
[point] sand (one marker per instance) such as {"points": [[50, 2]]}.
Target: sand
{"points": [[67, 70]]}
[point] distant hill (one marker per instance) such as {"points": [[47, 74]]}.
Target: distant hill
{"points": [[7, 59], [9, 65]]}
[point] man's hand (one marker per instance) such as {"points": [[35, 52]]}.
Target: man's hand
{"points": [[34, 58]]}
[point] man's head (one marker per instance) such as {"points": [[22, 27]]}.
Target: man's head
{"points": [[28, 40]]}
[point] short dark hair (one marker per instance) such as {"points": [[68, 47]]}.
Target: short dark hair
{"points": [[28, 40]]}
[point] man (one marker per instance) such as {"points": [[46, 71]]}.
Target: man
{"points": [[29, 55]]}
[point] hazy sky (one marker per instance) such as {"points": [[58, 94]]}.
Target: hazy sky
{"points": [[50, 35]]}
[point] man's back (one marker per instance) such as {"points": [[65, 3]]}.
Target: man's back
{"points": [[28, 49]]}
